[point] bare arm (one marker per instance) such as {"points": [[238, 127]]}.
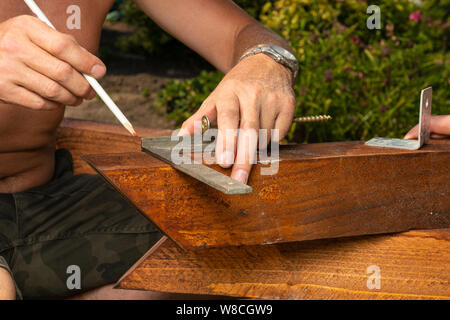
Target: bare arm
{"points": [[218, 30], [254, 34], [256, 94]]}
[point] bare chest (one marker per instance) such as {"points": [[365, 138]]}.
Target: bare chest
{"points": [[83, 18]]}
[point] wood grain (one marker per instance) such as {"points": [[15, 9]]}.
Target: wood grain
{"points": [[83, 137], [413, 265], [321, 191]]}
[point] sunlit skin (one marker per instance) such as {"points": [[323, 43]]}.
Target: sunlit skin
{"points": [[40, 74], [27, 136], [439, 128], [7, 289]]}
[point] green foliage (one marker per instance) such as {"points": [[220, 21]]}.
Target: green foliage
{"points": [[252, 7], [149, 38], [368, 80], [182, 98]]}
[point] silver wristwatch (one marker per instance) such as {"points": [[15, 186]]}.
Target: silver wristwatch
{"points": [[279, 54]]}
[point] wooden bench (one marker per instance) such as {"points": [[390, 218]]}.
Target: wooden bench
{"points": [[411, 265]]}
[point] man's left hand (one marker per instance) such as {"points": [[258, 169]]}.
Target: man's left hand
{"points": [[256, 94]]}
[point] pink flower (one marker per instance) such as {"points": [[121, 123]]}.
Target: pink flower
{"points": [[383, 108], [356, 40], [313, 37], [415, 16], [303, 90], [328, 76], [386, 51]]}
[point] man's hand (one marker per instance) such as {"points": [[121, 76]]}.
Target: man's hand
{"points": [[256, 94], [40, 68], [440, 128]]}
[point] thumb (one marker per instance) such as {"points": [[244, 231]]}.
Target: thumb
{"points": [[413, 133]]}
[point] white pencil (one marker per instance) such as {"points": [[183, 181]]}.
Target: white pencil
{"points": [[93, 82]]}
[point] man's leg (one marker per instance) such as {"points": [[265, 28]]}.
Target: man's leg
{"points": [[109, 293], [75, 234], [8, 232], [7, 288]]}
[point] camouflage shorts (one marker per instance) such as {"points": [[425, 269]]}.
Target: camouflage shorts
{"points": [[74, 221]]}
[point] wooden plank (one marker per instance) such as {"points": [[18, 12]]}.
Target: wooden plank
{"points": [[321, 191], [83, 137], [413, 265]]}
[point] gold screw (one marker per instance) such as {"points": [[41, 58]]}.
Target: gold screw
{"points": [[321, 118], [206, 124]]}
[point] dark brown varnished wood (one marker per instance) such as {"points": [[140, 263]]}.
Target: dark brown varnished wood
{"points": [[323, 190], [83, 137], [414, 264]]}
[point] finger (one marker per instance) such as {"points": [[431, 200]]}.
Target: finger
{"points": [[440, 125], [413, 133], [248, 139], [227, 123], [64, 47], [57, 70], [438, 136], [208, 109], [46, 88], [23, 97], [284, 119], [267, 119]]}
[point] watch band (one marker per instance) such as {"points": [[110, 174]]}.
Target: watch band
{"points": [[270, 50]]}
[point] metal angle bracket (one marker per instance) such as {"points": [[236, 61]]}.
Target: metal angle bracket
{"points": [[163, 148], [426, 97]]}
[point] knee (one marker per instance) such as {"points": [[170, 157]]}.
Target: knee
{"points": [[7, 287]]}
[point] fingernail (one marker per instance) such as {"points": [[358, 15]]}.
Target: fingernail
{"points": [[226, 158], [407, 137], [241, 175], [98, 71]]}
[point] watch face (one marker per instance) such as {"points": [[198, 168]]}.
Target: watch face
{"points": [[283, 52]]}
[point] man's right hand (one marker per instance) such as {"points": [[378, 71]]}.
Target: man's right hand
{"points": [[40, 68], [439, 128]]}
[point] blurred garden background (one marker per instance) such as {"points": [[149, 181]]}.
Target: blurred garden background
{"points": [[369, 81]]}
